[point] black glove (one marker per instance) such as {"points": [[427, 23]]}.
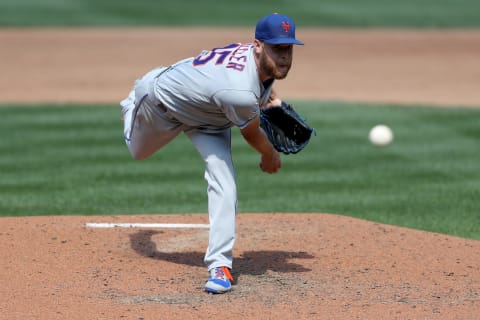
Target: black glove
{"points": [[285, 128]]}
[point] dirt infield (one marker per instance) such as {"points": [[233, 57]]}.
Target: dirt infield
{"points": [[90, 65], [287, 266], [308, 266]]}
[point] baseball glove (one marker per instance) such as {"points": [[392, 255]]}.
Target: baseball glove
{"points": [[285, 128]]}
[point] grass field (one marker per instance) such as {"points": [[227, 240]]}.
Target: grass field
{"points": [[327, 13], [72, 160]]}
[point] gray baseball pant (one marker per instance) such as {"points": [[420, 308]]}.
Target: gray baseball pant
{"points": [[148, 126]]}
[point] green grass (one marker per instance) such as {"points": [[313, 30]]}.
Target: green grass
{"points": [[59, 160], [327, 13]]}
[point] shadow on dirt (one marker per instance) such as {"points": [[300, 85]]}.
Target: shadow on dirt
{"points": [[249, 262]]}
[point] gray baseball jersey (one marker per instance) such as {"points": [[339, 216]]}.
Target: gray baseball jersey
{"points": [[216, 90]]}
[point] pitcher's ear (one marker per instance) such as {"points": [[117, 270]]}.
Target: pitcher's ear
{"points": [[258, 45]]}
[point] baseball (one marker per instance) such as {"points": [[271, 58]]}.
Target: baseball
{"points": [[381, 135]]}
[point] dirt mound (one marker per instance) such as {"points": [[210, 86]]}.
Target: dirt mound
{"points": [[287, 266]]}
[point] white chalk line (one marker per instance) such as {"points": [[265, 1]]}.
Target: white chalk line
{"points": [[106, 225]]}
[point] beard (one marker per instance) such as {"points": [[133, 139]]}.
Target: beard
{"points": [[271, 69]]}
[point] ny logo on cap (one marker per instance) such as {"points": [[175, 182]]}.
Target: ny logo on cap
{"points": [[286, 26]]}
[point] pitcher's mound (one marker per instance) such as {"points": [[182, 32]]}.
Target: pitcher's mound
{"points": [[287, 266]]}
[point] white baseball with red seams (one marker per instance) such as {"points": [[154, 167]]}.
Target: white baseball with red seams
{"points": [[381, 135]]}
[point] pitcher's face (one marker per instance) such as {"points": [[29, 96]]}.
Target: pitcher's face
{"points": [[274, 60]]}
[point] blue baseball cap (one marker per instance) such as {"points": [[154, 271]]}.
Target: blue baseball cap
{"points": [[276, 29]]}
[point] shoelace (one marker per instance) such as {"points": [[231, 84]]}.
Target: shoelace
{"points": [[222, 272]]}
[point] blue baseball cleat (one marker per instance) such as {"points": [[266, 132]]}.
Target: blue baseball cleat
{"points": [[220, 280]]}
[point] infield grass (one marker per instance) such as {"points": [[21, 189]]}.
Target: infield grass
{"points": [[59, 160]]}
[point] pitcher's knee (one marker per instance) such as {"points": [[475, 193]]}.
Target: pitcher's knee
{"points": [[139, 154], [139, 157], [220, 170]]}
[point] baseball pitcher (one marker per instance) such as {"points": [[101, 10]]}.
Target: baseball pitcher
{"points": [[204, 97]]}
